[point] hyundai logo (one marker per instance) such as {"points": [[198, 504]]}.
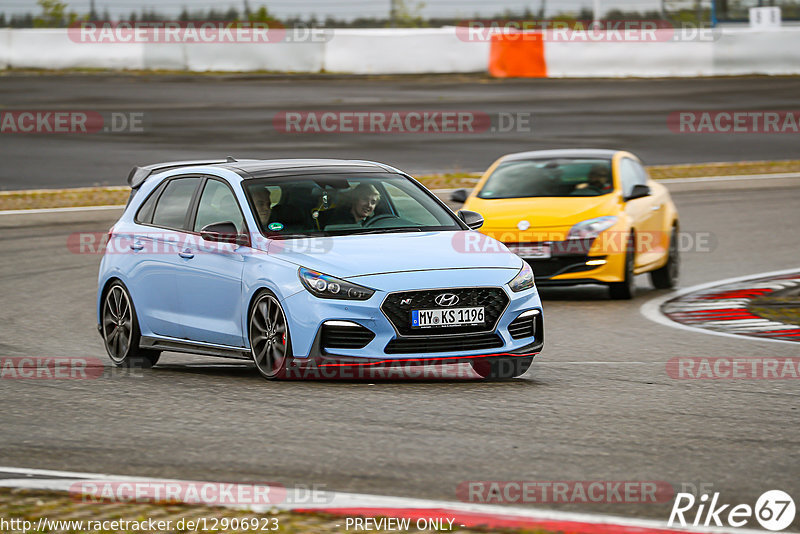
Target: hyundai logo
{"points": [[446, 299]]}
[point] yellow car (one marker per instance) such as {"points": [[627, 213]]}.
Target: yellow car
{"points": [[580, 217]]}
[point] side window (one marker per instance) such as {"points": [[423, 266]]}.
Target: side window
{"points": [[641, 173], [173, 204], [145, 213], [629, 175], [218, 204]]}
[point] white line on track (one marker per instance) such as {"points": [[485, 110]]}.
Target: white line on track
{"points": [[699, 179], [652, 308], [733, 178], [332, 500], [60, 210]]}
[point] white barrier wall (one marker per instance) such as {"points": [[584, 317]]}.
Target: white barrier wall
{"points": [[53, 49], [404, 51], [745, 51], [160, 56], [678, 58], [291, 55], [5, 48]]}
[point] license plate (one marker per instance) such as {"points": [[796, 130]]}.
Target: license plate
{"points": [[531, 252], [446, 317]]}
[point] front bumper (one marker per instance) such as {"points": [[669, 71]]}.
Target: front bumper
{"points": [[324, 358], [577, 262], [384, 344]]}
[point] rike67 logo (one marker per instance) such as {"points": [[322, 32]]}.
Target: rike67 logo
{"points": [[774, 510]]}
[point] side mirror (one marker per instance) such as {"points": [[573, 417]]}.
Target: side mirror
{"points": [[223, 232], [471, 219], [459, 195], [638, 191]]}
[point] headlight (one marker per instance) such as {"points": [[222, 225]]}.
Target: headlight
{"points": [[523, 280], [591, 228], [327, 287]]}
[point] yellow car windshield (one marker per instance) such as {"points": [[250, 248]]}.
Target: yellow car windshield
{"points": [[549, 178]]}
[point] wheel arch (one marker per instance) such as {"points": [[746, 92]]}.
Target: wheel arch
{"points": [[259, 290], [101, 295]]}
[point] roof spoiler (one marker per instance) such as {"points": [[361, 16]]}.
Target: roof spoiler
{"points": [[139, 175]]}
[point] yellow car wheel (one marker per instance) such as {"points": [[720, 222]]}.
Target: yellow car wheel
{"points": [[666, 277], [626, 289]]}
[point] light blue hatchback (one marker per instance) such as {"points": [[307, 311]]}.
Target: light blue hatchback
{"points": [[299, 264]]}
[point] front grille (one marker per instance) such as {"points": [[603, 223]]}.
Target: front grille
{"points": [[345, 337], [443, 344], [398, 306], [523, 327]]}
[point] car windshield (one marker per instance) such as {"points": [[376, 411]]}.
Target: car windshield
{"points": [[333, 204], [549, 178]]}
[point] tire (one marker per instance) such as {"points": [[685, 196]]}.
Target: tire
{"points": [[501, 368], [120, 330], [626, 289], [666, 277], [268, 332]]}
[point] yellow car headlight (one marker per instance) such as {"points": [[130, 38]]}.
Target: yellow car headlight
{"points": [[591, 228]]}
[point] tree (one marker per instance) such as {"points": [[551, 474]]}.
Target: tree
{"points": [[53, 14], [406, 16], [261, 15]]}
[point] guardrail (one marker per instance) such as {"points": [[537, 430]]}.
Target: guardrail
{"points": [[427, 50]]}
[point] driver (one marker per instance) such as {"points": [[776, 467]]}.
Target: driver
{"points": [[598, 178], [364, 199], [598, 182]]}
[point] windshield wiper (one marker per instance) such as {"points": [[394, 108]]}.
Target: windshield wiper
{"points": [[385, 230], [294, 236]]}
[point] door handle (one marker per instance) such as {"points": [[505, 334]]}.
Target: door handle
{"points": [[137, 246], [186, 254], [656, 208]]}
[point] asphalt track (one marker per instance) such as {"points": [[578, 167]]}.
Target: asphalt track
{"points": [[596, 405], [200, 116]]}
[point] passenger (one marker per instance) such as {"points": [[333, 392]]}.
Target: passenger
{"points": [[364, 199]]}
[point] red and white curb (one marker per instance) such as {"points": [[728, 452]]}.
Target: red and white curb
{"points": [[720, 307], [459, 514]]}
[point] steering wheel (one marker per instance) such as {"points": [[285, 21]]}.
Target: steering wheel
{"points": [[373, 221]]}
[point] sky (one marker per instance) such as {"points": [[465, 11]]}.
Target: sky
{"points": [[343, 9]]}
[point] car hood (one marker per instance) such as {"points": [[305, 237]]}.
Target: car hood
{"points": [[360, 255], [542, 212]]}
